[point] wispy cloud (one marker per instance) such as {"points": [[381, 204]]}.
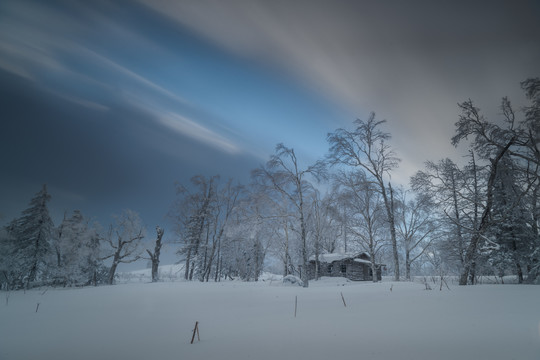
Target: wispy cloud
{"points": [[409, 66], [194, 130], [145, 82], [172, 120], [79, 101]]}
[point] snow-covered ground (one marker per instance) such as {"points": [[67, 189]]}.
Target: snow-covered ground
{"points": [[256, 321]]}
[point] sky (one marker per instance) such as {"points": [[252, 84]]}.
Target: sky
{"points": [[111, 102]]}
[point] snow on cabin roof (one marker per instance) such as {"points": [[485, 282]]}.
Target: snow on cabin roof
{"points": [[362, 261], [329, 258]]}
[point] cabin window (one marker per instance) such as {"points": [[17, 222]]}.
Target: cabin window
{"points": [[329, 268], [370, 272], [343, 268]]}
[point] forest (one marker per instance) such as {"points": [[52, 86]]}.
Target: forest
{"points": [[467, 219]]}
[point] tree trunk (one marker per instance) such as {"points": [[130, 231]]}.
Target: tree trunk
{"points": [[533, 269], [112, 271], [519, 273], [390, 212], [155, 256], [286, 260], [208, 269], [458, 220], [374, 277], [304, 247], [188, 259], [407, 265], [218, 261]]}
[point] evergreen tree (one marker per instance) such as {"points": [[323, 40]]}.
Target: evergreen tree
{"points": [[512, 237], [8, 272], [31, 234]]}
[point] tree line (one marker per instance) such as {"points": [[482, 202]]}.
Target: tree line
{"points": [[34, 252], [472, 219]]}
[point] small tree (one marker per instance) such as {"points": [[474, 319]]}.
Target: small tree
{"points": [[124, 239], [75, 251]]}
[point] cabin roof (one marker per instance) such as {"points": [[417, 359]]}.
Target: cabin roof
{"points": [[330, 258]]}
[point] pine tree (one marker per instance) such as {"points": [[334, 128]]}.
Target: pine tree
{"points": [[510, 231], [7, 270], [31, 234]]}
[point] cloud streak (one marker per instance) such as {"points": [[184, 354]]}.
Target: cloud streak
{"points": [[47, 53], [194, 130], [410, 62]]}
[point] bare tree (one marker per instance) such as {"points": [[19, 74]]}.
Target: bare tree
{"points": [[273, 210], [191, 214], [202, 215], [224, 205], [367, 216], [415, 226], [124, 239], [365, 147], [283, 174], [449, 188], [324, 225]]}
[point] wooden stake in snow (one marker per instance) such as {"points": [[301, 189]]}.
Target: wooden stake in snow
{"points": [[195, 329], [37, 307], [342, 298], [295, 304], [391, 286]]}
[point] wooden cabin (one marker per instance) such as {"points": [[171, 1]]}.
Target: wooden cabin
{"points": [[355, 266]]}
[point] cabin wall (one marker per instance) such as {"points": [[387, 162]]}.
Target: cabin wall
{"points": [[353, 270]]}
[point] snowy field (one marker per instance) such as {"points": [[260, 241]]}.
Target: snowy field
{"points": [[256, 321]]}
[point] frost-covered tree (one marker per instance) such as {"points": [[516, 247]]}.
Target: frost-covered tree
{"points": [[224, 208], [452, 191], [191, 213], [124, 241], [284, 174], [366, 148], [270, 212], [415, 226], [490, 144], [29, 237], [323, 226], [367, 217], [337, 213], [256, 229], [75, 252], [203, 213], [512, 238], [532, 160], [9, 274]]}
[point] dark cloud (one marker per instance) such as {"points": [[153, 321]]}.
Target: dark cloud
{"points": [[95, 160]]}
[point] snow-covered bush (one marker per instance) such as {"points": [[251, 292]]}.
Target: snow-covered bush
{"points": [[292, 280]]}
